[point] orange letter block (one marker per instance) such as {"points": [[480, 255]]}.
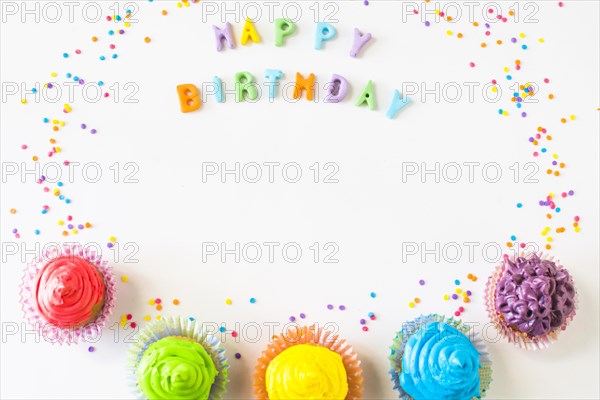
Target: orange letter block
{"points": [[189, 97], [307, 84]]}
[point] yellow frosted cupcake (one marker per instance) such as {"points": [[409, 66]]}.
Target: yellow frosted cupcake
{"points": [[308, 363]]}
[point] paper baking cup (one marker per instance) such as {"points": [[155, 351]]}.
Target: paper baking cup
{"points": [[53, 334], [316, 336], [520, 339], [410, 328], [177, 326]]}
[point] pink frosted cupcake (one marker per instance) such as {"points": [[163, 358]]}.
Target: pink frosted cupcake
{"points": [[69, 296], [531, 299]]}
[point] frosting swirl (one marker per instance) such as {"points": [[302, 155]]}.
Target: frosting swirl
{"points": [[534, 295], [307, 371], [176, 368], [440, 362], [69, 291]]}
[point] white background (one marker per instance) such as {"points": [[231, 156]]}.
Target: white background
{"points": [[369, 214]]}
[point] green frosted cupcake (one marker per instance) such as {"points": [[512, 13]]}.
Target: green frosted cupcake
{"points": [[175, 359]]}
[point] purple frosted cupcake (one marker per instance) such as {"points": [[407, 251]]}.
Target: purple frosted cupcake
{"points": [[531, 299]]}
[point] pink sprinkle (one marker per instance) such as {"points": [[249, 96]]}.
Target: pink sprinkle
{"points": [[18, 236], [106, 94], [546, 80], [560, 4], [461, 309], [576, 218], [234, 334], [522, 245], [112, 46], [494, 81], [46, 189], [457, 313], [69, 218], [24, 147], [77, 51], [365, 328], [490, 10], [129, 317], [133, 325], [66, 163], [158, 301], [472, 64]]}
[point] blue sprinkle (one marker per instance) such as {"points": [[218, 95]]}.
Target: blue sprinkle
{"points": [[61, 197], [373, 294], [456, 282], [513, 238], [44, 211], [68, 201], [222, 329], [59, 184], [69, 75], [37, 231], [100, 83], [65, 55], [252, 300], [519, 205], [102, 58], [557, 209]]}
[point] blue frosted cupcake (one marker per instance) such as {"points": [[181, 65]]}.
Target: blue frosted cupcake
{"points": [[434, 357]]}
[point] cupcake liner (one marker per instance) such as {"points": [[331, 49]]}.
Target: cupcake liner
{"points": [[316, 336], [53, 334], [409, 328], [177, 326], [520, 339]]}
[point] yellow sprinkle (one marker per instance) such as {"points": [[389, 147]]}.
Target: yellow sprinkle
{"points": [[179, 5], [158, 317], [23, 101], [112, 239], [61, 123], [577, 229], [411, 304], [228, 302], [147, 318], [458, 290], [449, 33], [494, 89], [151, 302], [54, 74], [522, 35], [124, 278], [572, 117], [506, 69], [549, 239], [446, 297], [541, 40], [75, 231], [57, 149], [127, 24]]}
